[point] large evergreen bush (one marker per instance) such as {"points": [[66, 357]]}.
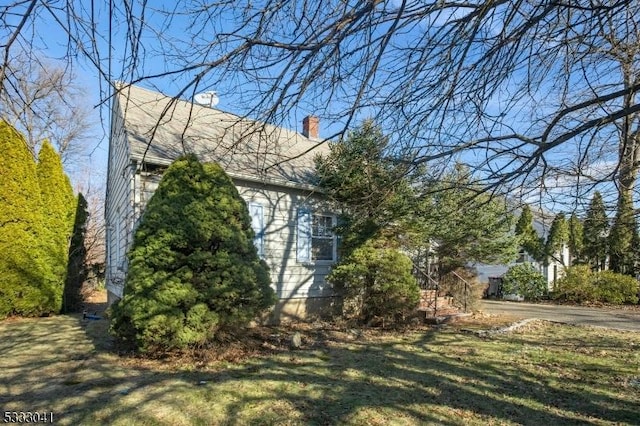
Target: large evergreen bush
{"points": [[529, 239], [193, 268], [575, 285], [582, 285], [77, 268], [616, 288], [376, 284], [59, 206], [27, 284], [524, 280], [623, 239], [595, 233]]}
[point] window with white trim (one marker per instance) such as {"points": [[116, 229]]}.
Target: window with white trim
{"points": [[323, 241], [316, 241]]}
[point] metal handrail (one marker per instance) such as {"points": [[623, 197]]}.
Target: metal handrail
{"points": [[466, 288], [431, 281]]}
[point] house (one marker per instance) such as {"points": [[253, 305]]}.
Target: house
{"points": [[272, 168], [552, 271]]}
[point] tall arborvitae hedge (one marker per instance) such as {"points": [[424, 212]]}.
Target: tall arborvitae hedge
{"points": [[556, 240], [623, 239], [530, 241], [193, 268], [77, 267], [576, 244], [595, 233], [59, 206], [27, 284]]}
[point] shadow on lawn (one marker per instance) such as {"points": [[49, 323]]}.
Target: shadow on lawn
{"points": [[343, 382], [405, 382]]}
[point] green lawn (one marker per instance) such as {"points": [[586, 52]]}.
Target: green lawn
{"points": [[545, 374]]}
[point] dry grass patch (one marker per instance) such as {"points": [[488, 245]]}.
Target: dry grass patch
{"points": [[540, 374]]}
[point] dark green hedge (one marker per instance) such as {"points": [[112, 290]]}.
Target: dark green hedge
{"points": [[193, 268]]}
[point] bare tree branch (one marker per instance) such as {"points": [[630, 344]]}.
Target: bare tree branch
{"points": [[520, 91]]}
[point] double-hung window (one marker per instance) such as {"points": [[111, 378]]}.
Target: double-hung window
{"points": [[316, 240], [322, 238]]}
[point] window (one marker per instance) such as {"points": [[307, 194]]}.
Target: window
{"points": [[322, 238], [257, 223], [316, 240]]}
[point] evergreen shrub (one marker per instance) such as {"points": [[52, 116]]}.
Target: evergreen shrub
{"points": [[27, 282], [524, 280], [576, 285], [59, 207], [616, 288], [77, 271], [376, 285], [582, 285], [193, 269]]}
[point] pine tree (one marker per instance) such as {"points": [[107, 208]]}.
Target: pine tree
{"points": [[529, 238], [467, 225], [557, 238], [77, 268], [193, 267], [624, 232], [595, 233], [26, 281], [58, 204], [575, 239], [359, 175]]}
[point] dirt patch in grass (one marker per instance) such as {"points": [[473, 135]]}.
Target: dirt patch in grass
{"points": [[543, 373], [480, 320], [95, 302]]}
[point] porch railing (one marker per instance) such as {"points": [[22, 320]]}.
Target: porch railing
{"points": [[459, 291]]}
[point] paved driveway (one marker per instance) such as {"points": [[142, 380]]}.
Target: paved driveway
{"points": [[599, 317]]}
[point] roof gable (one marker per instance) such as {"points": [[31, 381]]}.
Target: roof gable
{"points": [[159, 129]]}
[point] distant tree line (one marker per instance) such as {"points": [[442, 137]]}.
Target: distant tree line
{"points": [[594, 240]]}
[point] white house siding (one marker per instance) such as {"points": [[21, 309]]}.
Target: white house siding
{"points": [[300, 286], [552, 272], [118, 209]]}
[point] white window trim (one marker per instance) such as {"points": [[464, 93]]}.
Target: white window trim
{"points": [[303, 232]]}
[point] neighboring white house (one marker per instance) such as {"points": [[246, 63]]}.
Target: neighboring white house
{"points": [[552, 271], [272, 168]]}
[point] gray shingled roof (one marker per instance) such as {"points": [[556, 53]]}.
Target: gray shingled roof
{"points": [[243, 147]]}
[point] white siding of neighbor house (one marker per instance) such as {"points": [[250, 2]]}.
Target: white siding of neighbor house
{"points": [[551, 272], [291, 279]]}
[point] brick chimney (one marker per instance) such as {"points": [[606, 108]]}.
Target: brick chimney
{"points": [[310, 126]]}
